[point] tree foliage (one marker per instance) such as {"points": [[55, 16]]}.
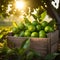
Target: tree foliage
{"points": [[30, 3]]}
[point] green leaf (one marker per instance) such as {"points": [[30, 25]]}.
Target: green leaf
{"points": [[26, 20], [30, 55], [26, 44], [35, 17], [51, 56], [33, 55], [43, 15], [37, 55], [24, 47], [1, 36]]}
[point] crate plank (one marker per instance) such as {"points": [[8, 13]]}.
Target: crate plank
{"points": [[17, 41]]}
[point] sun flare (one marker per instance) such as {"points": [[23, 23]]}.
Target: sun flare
{"points": [[20, 4]]}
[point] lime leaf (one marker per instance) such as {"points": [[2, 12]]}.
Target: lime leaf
{"points": [[24, 47], [35, 17], [25, 44], [43, 15]]}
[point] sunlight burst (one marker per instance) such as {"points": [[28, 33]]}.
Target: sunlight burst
{"points": [[20, 4]]}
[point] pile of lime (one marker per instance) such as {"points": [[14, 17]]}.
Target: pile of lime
{"points": [[33, 29]]}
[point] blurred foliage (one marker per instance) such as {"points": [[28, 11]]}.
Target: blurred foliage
{"points": [[4, 6], [4, 32], [5, 28], [30, 3], [22, 53]]}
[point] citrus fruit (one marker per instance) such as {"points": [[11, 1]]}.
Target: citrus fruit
{"points": [[35, 23], [34, 34], [21, 26], [27, 25], [38, 27], [27, 33], [42, 34], [48, 29], [21, 34], [15, 30], [31, 28], [44, 24], [51, 29]]}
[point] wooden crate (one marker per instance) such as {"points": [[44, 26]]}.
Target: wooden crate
{"points": [[46, 45], [43, 46], [15, 41]]}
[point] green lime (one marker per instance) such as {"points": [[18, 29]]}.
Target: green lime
{"points": [[15, 30], [35, 23], [48, 29], [38, 27], [21, 26], [27, 33], [31, 28], [44, 24], [51, 29], [27, 25], [34, 34], [42, 34]]}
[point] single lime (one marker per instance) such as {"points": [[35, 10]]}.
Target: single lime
{"points": [[15, 30], [35, 23], [42, 34], [31, 28], [34, 34], [38, 27], [51, 29], [27, 25], [27, 33], [44, 24], [21, 26], [48, 29]]}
